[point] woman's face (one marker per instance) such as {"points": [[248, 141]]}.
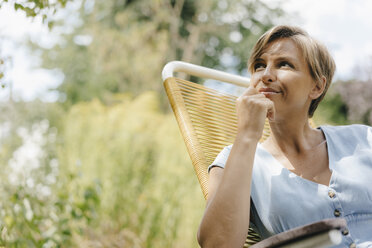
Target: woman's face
{"points": [[282, 75]]}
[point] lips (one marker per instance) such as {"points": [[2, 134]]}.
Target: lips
{"points": [[266, 90]]}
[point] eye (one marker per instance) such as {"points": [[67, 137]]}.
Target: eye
{"points": [[259, 66], [285, 64]]}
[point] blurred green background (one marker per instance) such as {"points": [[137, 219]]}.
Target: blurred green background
{"points": [[105, 165]]}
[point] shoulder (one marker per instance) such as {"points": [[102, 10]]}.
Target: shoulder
{"points": [[356, 133], [352, 128], [355, 130]]}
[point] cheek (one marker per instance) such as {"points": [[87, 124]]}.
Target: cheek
{"points": [[293, 86], [287, 77]]}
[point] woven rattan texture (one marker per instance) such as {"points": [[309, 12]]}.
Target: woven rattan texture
{"points": [[213, 116]]}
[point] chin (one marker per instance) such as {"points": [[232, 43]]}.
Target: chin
{"points": [[271, 95]]}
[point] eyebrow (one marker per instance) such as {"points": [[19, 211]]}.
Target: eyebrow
{"points": [[287, 58], [259, 59], [280, 58]]}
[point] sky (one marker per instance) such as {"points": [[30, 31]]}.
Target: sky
{"points": [[344, 26]]}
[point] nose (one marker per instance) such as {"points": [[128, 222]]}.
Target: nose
{"points": [[269, 75]]}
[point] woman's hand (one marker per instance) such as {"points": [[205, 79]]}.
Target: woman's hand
{"points": [[252, 108]]}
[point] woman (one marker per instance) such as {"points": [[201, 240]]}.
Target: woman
{"points": [[299, 175]]}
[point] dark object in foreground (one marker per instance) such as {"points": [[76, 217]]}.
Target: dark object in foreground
{"points": [[317, 234]]}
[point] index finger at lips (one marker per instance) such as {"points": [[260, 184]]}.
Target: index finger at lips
{"points": [[250, 91], [253, 83]]}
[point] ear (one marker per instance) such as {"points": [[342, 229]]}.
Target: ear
{"points": [[318, 88]]}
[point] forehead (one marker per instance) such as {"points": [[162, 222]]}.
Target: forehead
{"points": [[284, 47]]}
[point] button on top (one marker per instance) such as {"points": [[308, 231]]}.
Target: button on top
{"points": [[352, 245], [337, 213], [331, 193], [345, 232]]}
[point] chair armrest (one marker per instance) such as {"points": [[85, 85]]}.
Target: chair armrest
{"points": [[319, 234]]}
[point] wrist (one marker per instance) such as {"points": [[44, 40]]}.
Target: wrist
{"points": [[248, 137]]}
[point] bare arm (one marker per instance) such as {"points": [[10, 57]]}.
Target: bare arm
{"points": [[226, 219]]}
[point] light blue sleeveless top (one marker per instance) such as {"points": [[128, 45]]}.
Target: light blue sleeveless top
{"points": [[282, 200]]}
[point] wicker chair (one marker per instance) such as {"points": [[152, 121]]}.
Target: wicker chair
{"points": [[207, 121]]}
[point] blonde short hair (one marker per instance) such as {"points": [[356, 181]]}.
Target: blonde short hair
{"points": [[316, 55]]}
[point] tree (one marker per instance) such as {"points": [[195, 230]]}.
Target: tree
{"points": [[357, 96], [121, 46], [351, 100], [32, 8]]}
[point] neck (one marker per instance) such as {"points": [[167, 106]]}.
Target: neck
{"points": [[293, 136]]}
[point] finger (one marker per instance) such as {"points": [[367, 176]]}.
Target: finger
{"points": [[250, 91], [270, 111], [258, 98], [268, 105], [255, 97], [254, 83]]}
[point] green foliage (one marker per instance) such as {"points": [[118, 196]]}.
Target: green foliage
{"points": [[149, 195], [332, 110], [33, 8], [5, 62], [347, 102], [114, 175], [122, 46], [357, 96], [36, 211], [2, 62]]}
